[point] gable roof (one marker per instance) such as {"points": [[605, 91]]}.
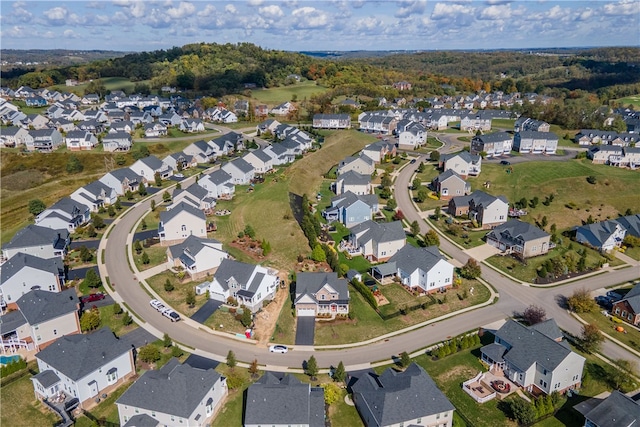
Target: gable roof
{"points": [[493, 137], [596, 234], [192, 244], [167, 216], [310, 283], [631, 223], [219, 177], [152, 162], [394, 397], [515, 229], [354, 178], [449, 174], [464, 155], [242, 165], [379, 231], [281, 399], [34, 235], [348, 198], [237, 270], [175, 389], [125, 173], [76, 356], [21, 260], [633, 298], [409, 258], [616, 410]]}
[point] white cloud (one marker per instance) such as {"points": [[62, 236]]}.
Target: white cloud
{"points": [[16, 31], [136, 8], [230, 9], [585, 14], [49, 35], [494, 2], [70, 34], [255, 3], [309, 17], [368, 24], [623, 7], [496, 12], [56, 15], [408, 8], [449, 10], [183, 9], [207, 11], [271, 12]]}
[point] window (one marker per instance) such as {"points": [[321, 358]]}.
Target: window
{"points": [[153, 413], [322, 296], [55, 332], [112, 375], [544, 372], [184, 227], [38, 338], [624, 313], [437, 416]]}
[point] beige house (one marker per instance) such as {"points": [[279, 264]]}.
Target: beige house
{"points": [[520, 238], [450, 184], [182, 221], [375, 241], [321, 294]]}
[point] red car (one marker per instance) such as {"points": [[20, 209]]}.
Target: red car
{"points": [[93, 297]]}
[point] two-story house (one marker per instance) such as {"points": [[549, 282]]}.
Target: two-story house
{"points": [[331, 121], [321, 294], [218, 184], [493, 144], [240, 170], [23, 272], [617, 409], [197, 256], [354, 182], [95, 195], [351, 209], [450, 184], [78, 140], [363, 165], [42, 242], [519, 238], [376, 241], [180, 222], [149, 166], [65, 213], [489, 211], [259, 160], [628, 308], [463, 163], [194, 195], [117, 141], [123, 180], [535, 142], [602, 236]]}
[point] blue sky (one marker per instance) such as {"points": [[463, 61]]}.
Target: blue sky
{"points": [[131, 25]]}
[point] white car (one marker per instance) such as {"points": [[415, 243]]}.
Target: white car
{"points": [[171, 314], [157, 304], [278, 349], [178, 175]]}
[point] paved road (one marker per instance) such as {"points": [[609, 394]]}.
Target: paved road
{"points": [[514, 297]]}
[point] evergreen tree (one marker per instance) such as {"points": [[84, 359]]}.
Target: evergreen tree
{"points": [[231, 359], [127, 319], [190, 298], [166, 340], [36, 206], [312, 368], [340, 373], [405, 359], [117, 309], [145, 258], [168, 286]]}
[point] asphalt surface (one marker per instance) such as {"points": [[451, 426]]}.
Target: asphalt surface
{"points": [[90, 244], [514, 297], [80, 273], [305, 330], [206, 311], [139, 337]]}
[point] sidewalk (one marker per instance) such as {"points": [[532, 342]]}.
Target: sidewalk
{"points": [[145, 274]]}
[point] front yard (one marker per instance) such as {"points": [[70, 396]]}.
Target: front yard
{"points": [[157, 255], [176, 298], [630, 336]]}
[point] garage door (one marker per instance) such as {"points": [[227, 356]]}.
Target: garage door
{"points": [[306, 312]]}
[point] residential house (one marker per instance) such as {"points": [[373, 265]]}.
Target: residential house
{"points": [[35, 101], [63, 125], [519, 238], [474, 122], [24, 272], [332, 121], [155, 130], [44, 140], [226, 144], [83, 366], [123, 180], [283, 400], [536, 358], [603, 236], [463, 163], [354, 182], [196, 256], [628, 308], [140, 117], [376, 241], [176, 394], [400, 398], [351, 209], [402, 85], [219, 184], [321, 294], [170, 119], [606, 154], [14, 137], [617, 409], [149, 166], [527, 124], [247, 283], [362, 165], [283, 109], [413, 137], [180, 161], [493, 144], [42, 242], [535, 142], [377, 151], [631, 157], [46, 316], [240, 170], [420, 269], [280, 154], [78, 140], [182, 221], [122, 126], [95, 195], [450, 184], [65, 213], [201, 151], [93, 126], [374, 123], [192, 125], [117, 141], [241, 106], [194, 195], [489, 211], [631, 223], [259, 160]]}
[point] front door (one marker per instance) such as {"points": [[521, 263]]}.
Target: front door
{"points": [[93, 388]]}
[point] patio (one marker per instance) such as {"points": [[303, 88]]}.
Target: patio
{"points": [[488, 385]]}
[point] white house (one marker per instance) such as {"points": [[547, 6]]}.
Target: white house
{"points": [[362, 165], [83, 366], [352, 181], [180, 160], [219, 184], [123, 180], [248, 284], [23, 273], [94, 195], [174, 395], [412, 138], [375, 241], [197, 256], [39, 241], [149, 166], [201, 150], [195, 196], [283, 109], [603, 236], [117, 141], [260, 160], [182, 221], [535, 142], [78, 140], [463, 163], [240, 170], [65, 213]]}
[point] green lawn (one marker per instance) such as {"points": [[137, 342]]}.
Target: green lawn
{"points": [[223, 317], [633, 252], [282, 94], [105, 410], [633, 100], [176, 298], [466, 238], [114, 321], [20, 407], [631, 337], [285, 331], [110, 83], [367, 324], [157, 255], [528, 272]]}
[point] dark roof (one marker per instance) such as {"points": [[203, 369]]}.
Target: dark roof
{"points": [[219, 177], [242, 165], [395, 397], [192, 245], [379, 231], [631, 223], [464, 155], [515, 230], [142, 420], [633, 298], [69, 206], [175, 389], [167, 216], [195, 190], [348, 198], [480, 198], [409, 258], [39, 306], [494, 351], [537, 135], [11, 321], [548, 328], [617, 410], [34, 235], [310, 283], [121, 174], [493, 137], [282, 399], [354, 178], [449, 173], [152, 162], [21, 260], [596, 234], [229, 268], [76, 356], [47, 378]]}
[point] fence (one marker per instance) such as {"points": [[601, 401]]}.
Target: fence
{"points": [[466, 386]]}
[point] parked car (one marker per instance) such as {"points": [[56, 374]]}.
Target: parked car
{"points": [[157, 305], [604, 301], [278, 349], [412, 161], [168, 312], [178, 175], [505, 162], [614, 296], [92, 297]]}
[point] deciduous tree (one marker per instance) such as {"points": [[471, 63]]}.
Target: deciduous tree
{"points": [[36, 206], [534, 314], [591, 338]]}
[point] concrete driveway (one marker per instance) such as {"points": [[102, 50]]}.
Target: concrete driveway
{"points": [[206, 311], [305, 330], [482, 252]]}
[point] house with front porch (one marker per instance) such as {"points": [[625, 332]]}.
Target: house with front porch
{"points": [[321, 294], [400, 398], [180, 222], [192, 125], [94, 195], [174, 395], [218, 184], [354, 182], [123, 180], [201, 151], [196, 256], [83, 366], [248, 284], [351, 209], [23, 272], [628, 308], [603, 236], [493, 144], [489, 211], [180, 161], [43, 242], [65, 213], [463, 163], [449, 185], [535, 358], [376, 241], [520, 238], [420, 269]]}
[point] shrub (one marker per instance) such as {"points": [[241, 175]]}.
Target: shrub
{"points": [[591, 179], [117, 309], [365, 292], [331, 393], [168, 286], [176, 351], [90, 320], [149, 353], [127, 319], [12, 367]]}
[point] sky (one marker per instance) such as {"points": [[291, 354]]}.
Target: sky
{"points": [[302, 25]]}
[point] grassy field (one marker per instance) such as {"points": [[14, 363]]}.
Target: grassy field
{"points": [[110, 83], [367, 324], [157, 255], [631, 337], [106, 410], [114, 321], [633, 100], [278, 95], [227, 320], [613, 193], [20, 407], [285, 331]]}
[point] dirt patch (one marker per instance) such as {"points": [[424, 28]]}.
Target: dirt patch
{"points": [[251, 247], [265, 320], [458, 371]]}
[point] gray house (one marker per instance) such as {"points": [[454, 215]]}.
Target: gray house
{"points": [[351, 209], [616, 410], [519, 238], [42, 242], [450, 184], [65, 213], [353, 181], [240, 170], [494, 144], [535, 142], [123, 180], [393, 398], [176, 394], [281, 399], [321, 294], [24, 272]]}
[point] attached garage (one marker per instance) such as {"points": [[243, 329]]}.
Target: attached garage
{"points": [[306, 312]]}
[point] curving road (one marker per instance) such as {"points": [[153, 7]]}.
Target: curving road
{"points": [[514, 297]]}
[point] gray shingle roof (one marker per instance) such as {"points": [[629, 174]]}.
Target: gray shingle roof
{"points": [[395, 397], [11, 321], [153, 162], [167, 216], [192, 244], [617, 410], [38, 306], [449, 173], [596, 234], [121, 174], [631, 223], [219, 177], [229, 268], [21, 260], [310, 283], [516, 230], [410, 258], [633, 298], [70, 206], [283, 400], [47, 378], [379, 231], [195, 190], [34, 235], [142, 420], [548, 328], [76, 356], [348, 198], [538, 135], [354, 178], [260, 154], [494, 137], [464, 155], [242, 165], [175, 389]]}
